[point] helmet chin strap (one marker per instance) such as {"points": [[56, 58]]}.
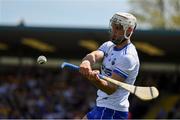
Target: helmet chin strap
{"points": [[121, 39]]}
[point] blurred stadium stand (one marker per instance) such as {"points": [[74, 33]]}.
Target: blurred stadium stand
{"points": [[29, 90]]}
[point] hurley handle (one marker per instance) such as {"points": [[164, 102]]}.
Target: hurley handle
{"points": [[76, 68]]}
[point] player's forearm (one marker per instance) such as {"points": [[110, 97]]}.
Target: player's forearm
{"points": [[105, 86], [89, 58], [93, 57]]}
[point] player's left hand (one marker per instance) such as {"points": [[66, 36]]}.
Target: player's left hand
{"points": [[94, 75]]}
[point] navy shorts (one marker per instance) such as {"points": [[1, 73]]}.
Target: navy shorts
{"points": [[106, 113]]}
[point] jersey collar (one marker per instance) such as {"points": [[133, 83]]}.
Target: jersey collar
{"points": [[119, 49]]}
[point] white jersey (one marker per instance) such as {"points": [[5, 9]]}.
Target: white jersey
{"points": [[124, 62]]}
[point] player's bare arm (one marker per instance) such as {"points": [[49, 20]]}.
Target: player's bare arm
{"points": [[86, 70], [103, 85], [88, 61]]}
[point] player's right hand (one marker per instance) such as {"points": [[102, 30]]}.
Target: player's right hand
{"points": [[85, 68]]}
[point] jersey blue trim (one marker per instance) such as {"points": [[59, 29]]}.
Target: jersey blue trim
{"points": [[118, 69], [101, 50], [119, 49], [126, 50], [120, 73]]}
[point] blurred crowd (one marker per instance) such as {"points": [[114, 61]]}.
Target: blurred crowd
{"points": [[45, 93]]}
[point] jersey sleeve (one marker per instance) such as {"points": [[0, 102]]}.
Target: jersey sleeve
{"points": [[125, 65], [105, 46]]}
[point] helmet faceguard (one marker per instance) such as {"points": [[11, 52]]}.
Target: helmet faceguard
{"points": [[126, 21]]}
